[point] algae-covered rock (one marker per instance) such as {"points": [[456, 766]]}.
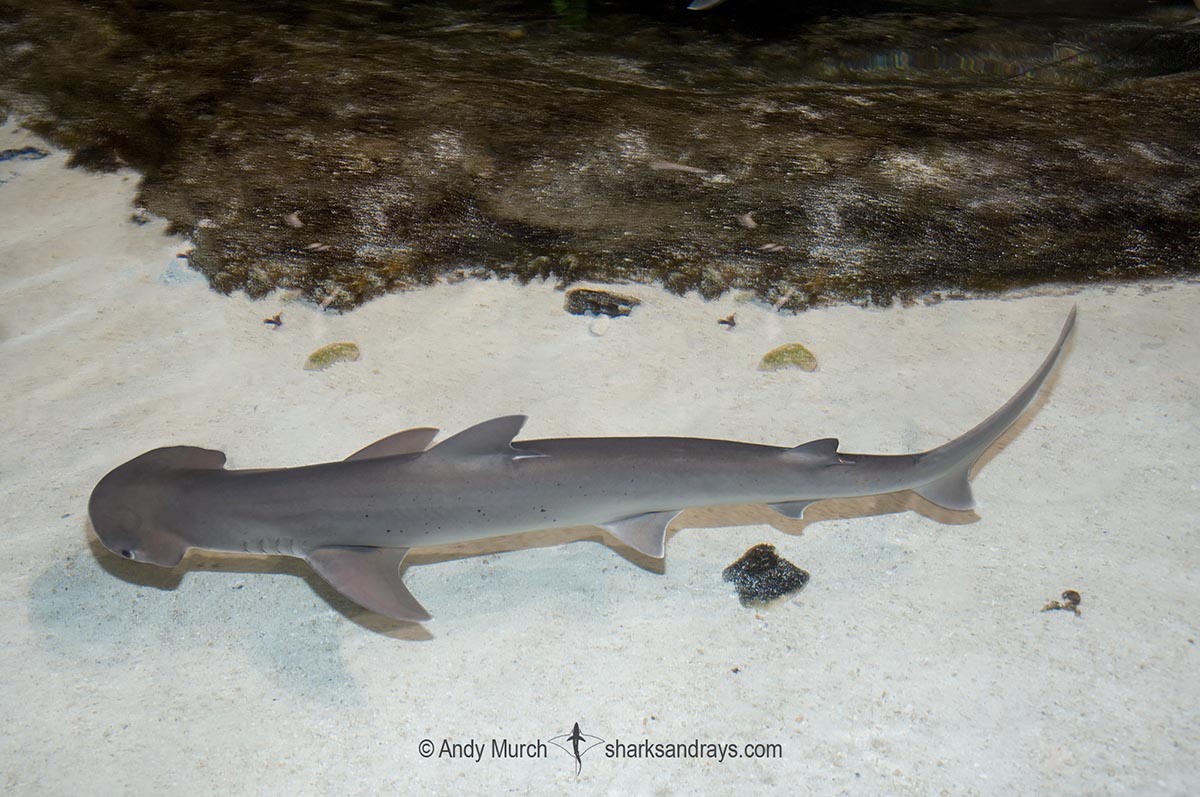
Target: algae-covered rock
{"points": [[789, 355], [322, 358], [581, 301], [761, 575], [806, 154]]}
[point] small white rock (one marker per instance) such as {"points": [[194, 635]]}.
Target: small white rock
{"points": [[599, 325], [669, 166]]}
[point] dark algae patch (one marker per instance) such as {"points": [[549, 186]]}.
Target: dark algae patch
{"points": [[808, 152], [761, 576]]}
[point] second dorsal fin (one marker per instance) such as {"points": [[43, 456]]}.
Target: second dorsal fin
{"points": [[816, 452]]}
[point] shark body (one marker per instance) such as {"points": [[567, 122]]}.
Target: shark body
{"points": [[355, 520]]}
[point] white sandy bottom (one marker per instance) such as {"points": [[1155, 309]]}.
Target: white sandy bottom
{"points": [[915, 662]]}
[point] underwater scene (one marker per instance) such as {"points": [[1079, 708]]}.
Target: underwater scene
{"points": [[600, 396]]}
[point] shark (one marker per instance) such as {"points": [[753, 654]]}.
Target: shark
{"points": [[576, 738], [356, 520]]}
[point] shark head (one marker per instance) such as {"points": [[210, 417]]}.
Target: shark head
{"points": [[131, 507]]}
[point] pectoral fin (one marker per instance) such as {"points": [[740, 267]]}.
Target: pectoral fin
{"points": [[370, 577], [644, 533]]}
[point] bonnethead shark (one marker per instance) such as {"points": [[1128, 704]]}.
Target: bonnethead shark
{"points": [[354, 521]]}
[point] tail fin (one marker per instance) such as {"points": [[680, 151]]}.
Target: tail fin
{"points": [[950, 488]]}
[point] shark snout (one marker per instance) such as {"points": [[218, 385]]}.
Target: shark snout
{"points": [[128, 532]]}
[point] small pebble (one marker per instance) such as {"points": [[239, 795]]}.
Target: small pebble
{"points": [[1070, 602], [599, 325]]}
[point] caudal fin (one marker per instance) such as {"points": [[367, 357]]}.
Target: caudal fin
{"points": [[952, 462]]}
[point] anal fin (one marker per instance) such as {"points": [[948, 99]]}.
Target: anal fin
{"points": [[646, 533], [370, 577]]}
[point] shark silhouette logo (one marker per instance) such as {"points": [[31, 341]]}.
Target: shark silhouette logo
{"points": [[576, 744]]}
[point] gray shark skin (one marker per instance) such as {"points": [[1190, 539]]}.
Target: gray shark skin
{"points": [[354, 521]]}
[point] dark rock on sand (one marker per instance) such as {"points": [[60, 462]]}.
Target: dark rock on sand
{"points": [[581, 301], [761, 575]]}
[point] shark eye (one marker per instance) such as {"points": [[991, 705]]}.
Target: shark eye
{"points": [[126, 553]]}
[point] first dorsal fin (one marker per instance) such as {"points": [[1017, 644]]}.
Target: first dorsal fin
{"points": [[184, 458], [483, 439], [410, 441], [816, 452]]}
